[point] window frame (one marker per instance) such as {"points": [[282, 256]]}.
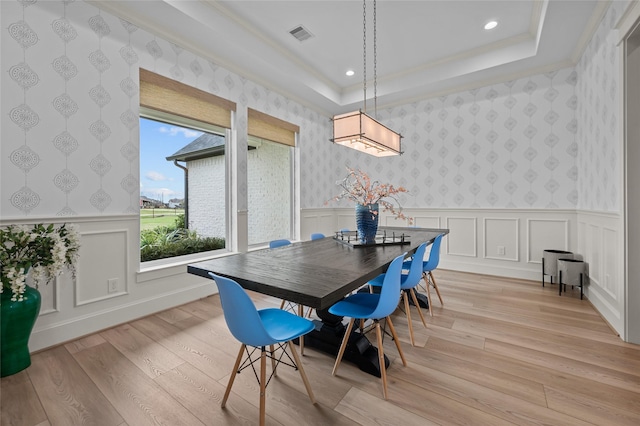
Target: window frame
{"points": [[172, 119]]}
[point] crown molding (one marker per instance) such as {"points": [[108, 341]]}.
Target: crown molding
{"points": [[482, 83], [629, 20], [591, 28]]}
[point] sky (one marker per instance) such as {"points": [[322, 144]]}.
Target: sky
{"points": [[161, 179]]}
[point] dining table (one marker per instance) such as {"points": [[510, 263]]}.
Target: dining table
{"points": [[315, 273], [319, 273]]}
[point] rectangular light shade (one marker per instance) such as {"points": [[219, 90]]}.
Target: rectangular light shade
{"points": [[359, 131]]}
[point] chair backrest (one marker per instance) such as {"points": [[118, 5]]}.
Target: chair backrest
{"points": [[240, 313], [390, 291], [434, 255], [317, 236], [415, 270], [279, 243]]}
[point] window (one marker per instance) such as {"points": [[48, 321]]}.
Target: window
{"points": [[182, 187], [269, 189], [184, 170], [270, 178]]}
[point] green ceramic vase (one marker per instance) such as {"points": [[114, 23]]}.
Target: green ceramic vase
{"points": [[17, 319]]}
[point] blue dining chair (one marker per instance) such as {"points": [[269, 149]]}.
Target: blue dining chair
{"points": [[374, 307], [259, 329], [317, 236], [408, 284], [279, 243], [428, 266]]}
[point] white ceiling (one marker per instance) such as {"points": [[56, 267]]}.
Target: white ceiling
{"points": [[424, 48]]}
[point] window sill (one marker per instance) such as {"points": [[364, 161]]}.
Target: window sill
{"points": [[163, 268]]}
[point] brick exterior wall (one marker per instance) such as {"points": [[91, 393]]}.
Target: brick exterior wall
{"points": [[269, 194], [206, 197]]}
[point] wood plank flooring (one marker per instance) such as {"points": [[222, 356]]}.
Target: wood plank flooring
{"points": [[499, 352]]}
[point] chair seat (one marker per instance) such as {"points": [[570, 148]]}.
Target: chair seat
{"points": [[404, 284], [283, 326], [359, 305]]}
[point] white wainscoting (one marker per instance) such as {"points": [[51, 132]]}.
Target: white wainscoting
{"points": [[601, 243], [476, 237], [317, 221], [109, 249]]}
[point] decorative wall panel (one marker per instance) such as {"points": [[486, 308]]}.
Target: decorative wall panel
{"points": [[546, 234], [462, 237], [610, 263], [425, 221], [501, 239], [92, 284]]}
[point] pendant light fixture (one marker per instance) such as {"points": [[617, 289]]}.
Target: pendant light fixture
{"points": [[357, 129]]}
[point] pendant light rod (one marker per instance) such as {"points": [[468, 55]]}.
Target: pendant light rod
{"points": [[364, 53], [358, 130], [375, 63]]}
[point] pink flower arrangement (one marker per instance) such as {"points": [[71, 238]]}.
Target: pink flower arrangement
{"points": [[357, 186]]}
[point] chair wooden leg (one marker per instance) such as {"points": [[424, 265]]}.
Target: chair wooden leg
{"points": [[415, 302], [301, 338], [307, 385], [343, 346], [408, 313], [233, 375], [282, 304], [383, 368], [396, 340], [263, 384], [435, 285], [426, 281], [273, 361]]}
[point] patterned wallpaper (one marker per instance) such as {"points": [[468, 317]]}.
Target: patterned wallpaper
{"points": [[70, 129], [70, 109], [599, 118], [509, 145]]}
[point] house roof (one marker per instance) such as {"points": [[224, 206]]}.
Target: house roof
{"points": [[207, 145]]}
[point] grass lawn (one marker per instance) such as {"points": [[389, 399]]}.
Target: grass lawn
{"points": [[150, 218]]}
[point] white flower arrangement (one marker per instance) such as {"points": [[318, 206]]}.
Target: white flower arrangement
{"points": [[46, 250]]}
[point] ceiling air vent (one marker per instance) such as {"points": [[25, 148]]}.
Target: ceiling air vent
{"points": [[301, 33]]}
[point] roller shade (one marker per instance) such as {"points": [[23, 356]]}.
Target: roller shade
{"points": [[163, 94], [270, 128]]}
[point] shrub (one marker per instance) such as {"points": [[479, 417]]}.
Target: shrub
{"points": [[181, 247], [169, 241]]}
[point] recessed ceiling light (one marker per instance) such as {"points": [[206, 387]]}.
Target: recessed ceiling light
{"points": [[350, 73], [490, 25]]}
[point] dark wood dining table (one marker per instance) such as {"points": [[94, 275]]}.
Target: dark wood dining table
{"points": [[315, 273]]}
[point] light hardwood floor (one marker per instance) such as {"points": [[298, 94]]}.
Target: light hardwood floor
{"points": [[501, 351]]}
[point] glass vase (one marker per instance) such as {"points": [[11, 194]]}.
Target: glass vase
{"points": [[367, 222]]}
